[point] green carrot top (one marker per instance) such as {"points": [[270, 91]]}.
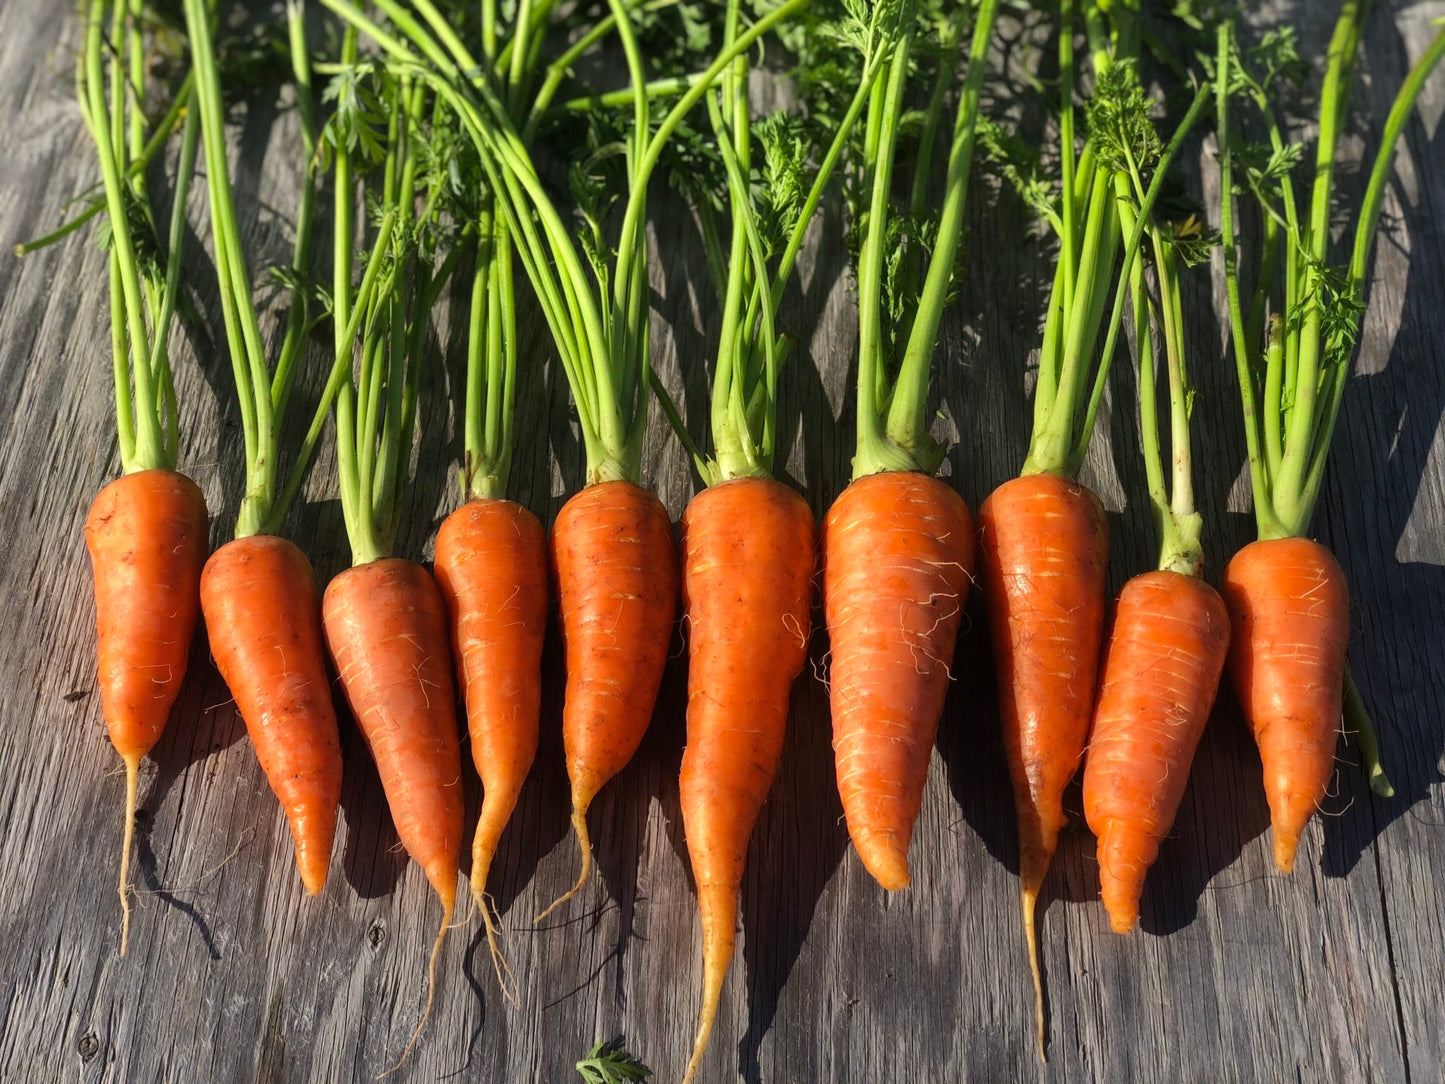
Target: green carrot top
{"points": [[900, 302], [1294, 344]]}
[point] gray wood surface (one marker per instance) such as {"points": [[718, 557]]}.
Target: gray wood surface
{"points": [[1238, 973]]}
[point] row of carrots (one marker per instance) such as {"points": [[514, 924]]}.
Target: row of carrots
{"points": [[1133, 683]]}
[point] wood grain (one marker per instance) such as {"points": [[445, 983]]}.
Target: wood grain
{"points": [[1238, 973]]}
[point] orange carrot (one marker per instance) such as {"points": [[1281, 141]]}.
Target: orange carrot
{"points": [[386, 627], [897, 562], [1161, 672], [146, 533], [491, 565], [749, 555], [1289, 606], [263, 615], [1045, 549], [616, 568]]}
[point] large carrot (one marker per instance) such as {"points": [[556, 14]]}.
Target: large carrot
{"points": [[146, 531], [617, 584], [1286, 595], [491, 564], [1170, 633], [1044, 539], [258, 592]]}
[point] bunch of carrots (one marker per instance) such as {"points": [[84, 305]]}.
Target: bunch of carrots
{"points": [[430, 126]]}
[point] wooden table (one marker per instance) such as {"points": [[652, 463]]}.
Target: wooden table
{"points": [[1238, 973]]}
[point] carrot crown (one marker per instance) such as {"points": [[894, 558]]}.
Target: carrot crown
{"points": [[900, 301], [594, 298], [144, 277], [1294, 344]]}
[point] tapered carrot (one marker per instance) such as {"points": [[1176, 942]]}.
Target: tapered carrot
{"points": [[386, 626], [1161, 672], [1045, 552], [1289, 606], [1286, 595], [146, 533], [491, 565], [263, 615], [897, 562], [749, 556], [258, 592], [616, 569]]}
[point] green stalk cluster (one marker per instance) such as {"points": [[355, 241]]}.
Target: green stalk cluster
{"points": [[111, 81], [1292, 376]]}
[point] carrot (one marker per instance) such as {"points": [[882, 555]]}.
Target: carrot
{"points": [[386, 627], [146, 531], [384, 618], [1161, 671], [1286, 594], [491, 565], [263, 614], [1290, 609], [1045, 550], [616, 569], [897, 562], [749, 555], [1044, 536], [258, 592], [146, 534]]}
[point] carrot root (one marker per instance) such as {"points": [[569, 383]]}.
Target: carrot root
{"points": [[1029, 901], [431, 984], [718, 906], [584, 845], [132, 786]]}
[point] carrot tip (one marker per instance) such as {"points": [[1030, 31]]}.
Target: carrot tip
{"points": [[887, 862], [1285, 846], [1029, 899], [505, 977], [584, 844], [132, 785]]}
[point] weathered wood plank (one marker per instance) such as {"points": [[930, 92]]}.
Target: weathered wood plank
{"points": [[1237, 974]]}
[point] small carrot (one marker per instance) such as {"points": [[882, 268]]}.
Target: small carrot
{"points": [[897, 562], [749, 556], [263, 614], [146, 531], [616, 569], [1290, 609], [491, 565], [146, 534], [1286, 594], [258, 592]]}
